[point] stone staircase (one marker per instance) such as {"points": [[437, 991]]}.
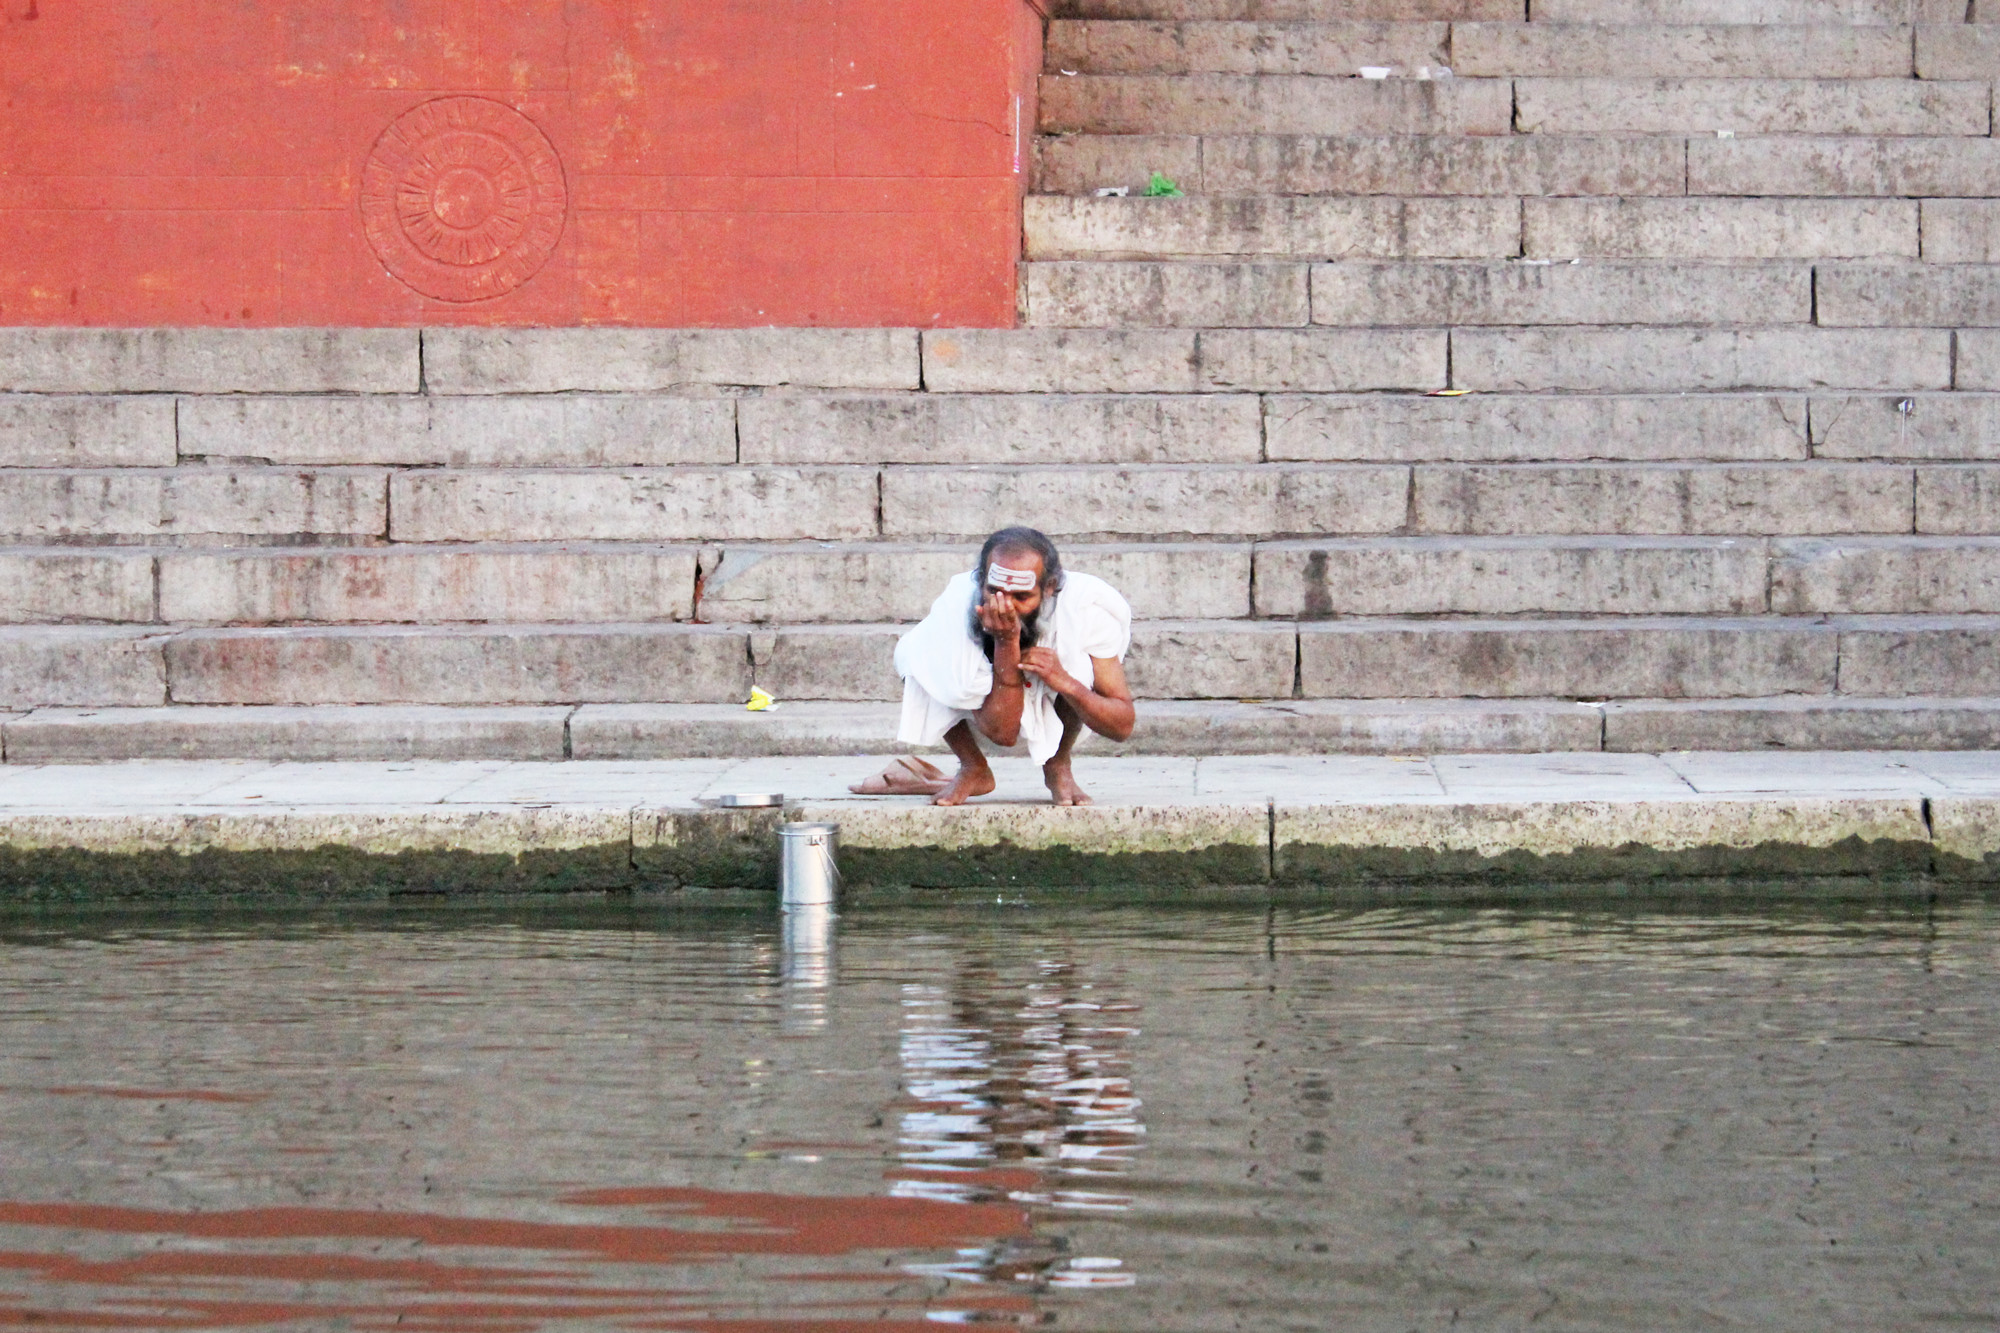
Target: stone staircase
{"points": [[1633, 385]]}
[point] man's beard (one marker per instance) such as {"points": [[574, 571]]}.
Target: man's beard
{"points": [[1030, 630]]}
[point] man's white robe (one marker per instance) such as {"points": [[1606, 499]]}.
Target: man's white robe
{"points": [[946, 676]]}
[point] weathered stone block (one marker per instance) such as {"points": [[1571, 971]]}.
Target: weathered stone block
{"points": [[1680, 51], [1195, 659], [1963, 499], [1006, 845], [1966, 832], [1750, 11], [1416, 165], [1910, 655], [1016, 428], [1958, 51], [1266, 500], [1907, 295], [1513, 292], [427, 585], [1273, 104], [1978, 360], [81, 666], [879, 581], [297, 735], [1081, 163], [1363, 726], [1303, 11], [667, 504], [846, 661], [1664, 360], [1528, 428], [1174, 295], [1811, 722], [1338, 47], [68, 430], [1907, 575], [176, 360], [706, 731], [1961, 231], [75, 585], [1060, 361], [1877, 167], [1751, 498], [1057, 227], [1565, 659], [1323, 360], [1749, 106], [573, 430], [1721, 229], [1929, 425], [484, 665], [1419, 576], [1609, 840], [490, 360], [191, 501]]}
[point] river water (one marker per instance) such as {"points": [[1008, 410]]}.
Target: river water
{"points": [[1116, 1118]]}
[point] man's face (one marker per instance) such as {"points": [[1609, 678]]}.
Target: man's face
{"points": [[1025, 603]]}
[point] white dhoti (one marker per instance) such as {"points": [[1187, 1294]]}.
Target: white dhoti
{"points": [[946, 676]]}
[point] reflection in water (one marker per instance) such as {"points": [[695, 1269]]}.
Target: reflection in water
{"points": [[1019, 1090], [1370, 1120]]}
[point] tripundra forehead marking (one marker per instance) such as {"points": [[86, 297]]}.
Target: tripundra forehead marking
{"points": [[1011, 580]]}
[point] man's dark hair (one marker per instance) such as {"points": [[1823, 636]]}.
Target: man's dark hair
{"points": [[1015, 541]]}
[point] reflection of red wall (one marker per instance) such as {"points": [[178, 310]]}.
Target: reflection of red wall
{"points": [[721, 162]]}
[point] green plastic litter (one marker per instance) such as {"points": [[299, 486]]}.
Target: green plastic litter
{"points": [[1161, 188]]}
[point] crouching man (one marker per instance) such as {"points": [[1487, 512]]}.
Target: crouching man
{"points": [[1013, 650]]}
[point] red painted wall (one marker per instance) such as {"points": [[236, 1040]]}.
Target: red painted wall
{"points": [[655, 162]]}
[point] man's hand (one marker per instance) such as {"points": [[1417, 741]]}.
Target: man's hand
{"points": [[1043, 665], [998, 617]]}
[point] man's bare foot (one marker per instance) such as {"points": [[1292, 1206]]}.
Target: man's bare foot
{"points": [[969, 783], [1062, 783]]}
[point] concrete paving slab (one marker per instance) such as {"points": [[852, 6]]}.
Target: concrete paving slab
{"points": [[144, 785], [653, 784], [1975, 772], [1559, 777], [1829, 772], [349, 785], [1331, 779]]}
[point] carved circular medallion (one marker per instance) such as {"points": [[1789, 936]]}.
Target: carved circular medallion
{"points": [[463, 198]]}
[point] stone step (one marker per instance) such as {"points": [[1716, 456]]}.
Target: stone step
{"points": [[1411, 165], [1338, 48], [1488, 576], [1687, 657], [1711, 228], [1291, 11], [1884, 167], [1911, 295], [787, 584], [610, 732], [1578, 428], [1486, 360], [1632, 657], [1913, 426], [1365, 294], [1062, 227], [198, 360], [1745, 106], [1603, 360], [1811, 50], [1860, 12], [1802, 722], [191, 503], [1278, 104]]}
